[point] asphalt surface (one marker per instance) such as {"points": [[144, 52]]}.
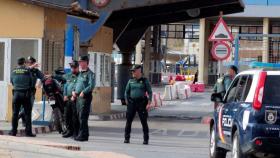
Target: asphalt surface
{"points": [[168, 139], [175, 132]]}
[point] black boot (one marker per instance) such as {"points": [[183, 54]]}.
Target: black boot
{"points": [[126, 141], [30, 135], [146, 142], [67, 134], [81, 139], [12, 133]]}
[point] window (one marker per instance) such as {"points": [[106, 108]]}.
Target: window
{"points": [[107, 69], [232, 91], [23, 48], [240, 89], [102, 68], [247, 87], [272, 90], [2, 57], [180, 31]]}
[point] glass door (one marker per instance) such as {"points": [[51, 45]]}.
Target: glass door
{"points": [[3, 58], [3, 78]]}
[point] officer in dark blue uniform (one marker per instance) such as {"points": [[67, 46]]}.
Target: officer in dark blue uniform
{"points": [[21, 80], [137, 101], [83, 96]]}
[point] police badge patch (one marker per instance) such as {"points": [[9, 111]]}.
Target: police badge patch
{"points": [[270, 116]]}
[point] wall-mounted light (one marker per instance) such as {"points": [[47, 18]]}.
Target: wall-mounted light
{"points": [[193, 12]]}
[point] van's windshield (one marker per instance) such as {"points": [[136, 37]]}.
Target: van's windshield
{"points": [[272, 90]]}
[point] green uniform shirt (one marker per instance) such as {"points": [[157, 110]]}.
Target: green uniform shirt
{"points": [[138, 88], [85, 82], [222, 84], [36, 74], [70, 84], [21, 78]]}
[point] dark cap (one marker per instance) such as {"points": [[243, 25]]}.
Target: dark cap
{"points": [[74, 64], [234, 68], [21, 61], [135, 67], [59, 71], [83, 58], [31, 59]]}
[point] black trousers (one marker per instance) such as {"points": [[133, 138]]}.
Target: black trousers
{"points": [[139, 106], [83, 110], [21, 112], [69, 115], [22, 98]]}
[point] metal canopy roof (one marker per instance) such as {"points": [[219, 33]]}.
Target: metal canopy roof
{"points": [[131, 19]]}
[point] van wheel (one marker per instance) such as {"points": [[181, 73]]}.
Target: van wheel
{"points": [[214, 151], [236, 150]]}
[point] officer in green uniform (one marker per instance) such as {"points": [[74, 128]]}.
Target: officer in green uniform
{"points": [[36, 74], [22, 85], [70, 112], [137, 101], [224, 82], [83, 96]]}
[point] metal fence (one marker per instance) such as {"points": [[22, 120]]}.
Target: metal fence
{"points": [[249, 48], [53, 51]]}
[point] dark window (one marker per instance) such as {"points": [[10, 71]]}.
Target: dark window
{"points": [[240, 89], [272, 90], [247, 88], [180, 31], [232, 91]]}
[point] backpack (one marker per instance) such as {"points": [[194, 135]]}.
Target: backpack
{"points": [[51, 87]]}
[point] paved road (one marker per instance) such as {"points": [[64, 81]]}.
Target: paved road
{"points": [[169, 139], [182, 136]]}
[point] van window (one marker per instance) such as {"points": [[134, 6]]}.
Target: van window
{"points": [[232, 91], [247, 88], [240, 88], [272, 90]]}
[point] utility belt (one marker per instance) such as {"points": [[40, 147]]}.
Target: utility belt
{"points": [[27, 92], [22, 90], [138, 100]]}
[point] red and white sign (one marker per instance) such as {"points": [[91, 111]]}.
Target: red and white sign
{"points": [[221, 51], [221, 32], [100, 3]]}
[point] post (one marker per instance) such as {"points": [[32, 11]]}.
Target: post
{"points": [[203, 51], [236, 51], [138, 53], [265, 55], [147, 55]]}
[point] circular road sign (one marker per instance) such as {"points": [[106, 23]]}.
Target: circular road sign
{"points": [[221, 51]]}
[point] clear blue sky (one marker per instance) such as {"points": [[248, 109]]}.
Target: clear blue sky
{"points": [[262, 2]]}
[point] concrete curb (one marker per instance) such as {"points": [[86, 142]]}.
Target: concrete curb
{"points": [[107, 117], [33, 141], [177, 117], [35, 130], [206, 120]]}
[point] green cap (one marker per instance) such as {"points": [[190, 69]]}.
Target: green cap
{"points": [[83, 58], [135, 67], [74, 63]]}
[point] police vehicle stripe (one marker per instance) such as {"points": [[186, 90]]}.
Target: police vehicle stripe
{"points": [[220, 129]]}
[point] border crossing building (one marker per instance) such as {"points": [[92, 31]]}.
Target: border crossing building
{"points": [[256, 32]]}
